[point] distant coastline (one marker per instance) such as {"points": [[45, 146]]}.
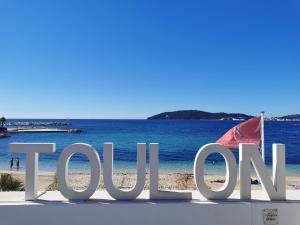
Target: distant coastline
{"points": [[293, 117], [202, 115], [199, 115]]}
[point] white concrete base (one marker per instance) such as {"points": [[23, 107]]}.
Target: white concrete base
{"points": [[53, 209]]}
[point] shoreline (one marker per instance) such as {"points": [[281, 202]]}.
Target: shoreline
{"points": [[218, 169], [170, 181]]}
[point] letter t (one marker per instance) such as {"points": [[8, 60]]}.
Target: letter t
{"points": [[32, 156]]}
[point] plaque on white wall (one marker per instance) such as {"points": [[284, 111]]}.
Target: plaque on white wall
{"points": [[270, 217]]}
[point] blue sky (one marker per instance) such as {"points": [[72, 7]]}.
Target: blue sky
{"points": [[132, 59]]}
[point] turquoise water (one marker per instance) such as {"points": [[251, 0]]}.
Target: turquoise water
{"points": [[179, 142]]}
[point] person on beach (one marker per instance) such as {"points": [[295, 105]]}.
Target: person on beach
{"points": [[18, 163], [11, 163]]}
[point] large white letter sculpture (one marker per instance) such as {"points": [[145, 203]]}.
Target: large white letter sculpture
{"points": [[231, 172], [249, 153], [63, 167], [116, 193], [32, 158], [154, 192]]}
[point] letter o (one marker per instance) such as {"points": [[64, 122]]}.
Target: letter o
{"points": [[63, 167], [231, 172]]}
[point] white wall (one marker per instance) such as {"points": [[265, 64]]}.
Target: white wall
{"points": [[131, 213], [53, 209]]}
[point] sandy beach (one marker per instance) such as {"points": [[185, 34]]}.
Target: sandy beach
{"points": [[171, 181]]}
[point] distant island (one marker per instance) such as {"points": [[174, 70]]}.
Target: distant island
{"points": [[202, 115], [199, 115]]}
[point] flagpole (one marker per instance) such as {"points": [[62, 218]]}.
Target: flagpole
{"points": [[262, 134]]}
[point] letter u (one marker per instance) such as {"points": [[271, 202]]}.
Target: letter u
{"points": [[116, 193]]}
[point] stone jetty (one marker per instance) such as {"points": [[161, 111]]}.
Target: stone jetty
{"points": [[36, 124]]}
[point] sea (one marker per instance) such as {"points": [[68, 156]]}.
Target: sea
{"points": [[179, 141]]}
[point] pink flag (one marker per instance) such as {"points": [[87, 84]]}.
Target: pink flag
{"points": [[246, 132]]}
